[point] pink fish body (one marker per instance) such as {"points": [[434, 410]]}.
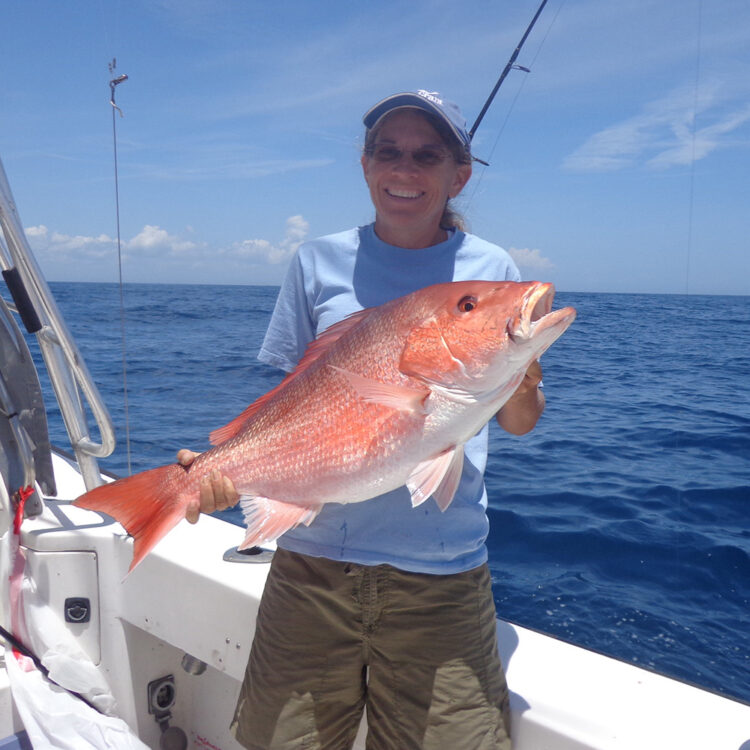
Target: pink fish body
{"points": [[385, 398]]}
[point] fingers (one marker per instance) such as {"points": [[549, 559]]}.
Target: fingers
{"points": [[531, 380], [217, 492], [193, 511], [534, 373], [231, 496], [186, 457], [211, 486]]}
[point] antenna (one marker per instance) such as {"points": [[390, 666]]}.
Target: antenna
{"points": [[115, 82], [112, 84]]}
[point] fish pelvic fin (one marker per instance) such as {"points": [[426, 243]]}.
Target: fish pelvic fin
{"points": [[268, 519], [145, 504], [437, 477], [394, 396]]}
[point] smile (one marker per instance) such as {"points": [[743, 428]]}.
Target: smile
{"points": [[404, 193]]}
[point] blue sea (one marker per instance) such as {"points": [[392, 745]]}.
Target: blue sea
{"points": [[621, 523]]}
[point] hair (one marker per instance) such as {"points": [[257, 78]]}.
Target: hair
{"points": [[451, 218]]}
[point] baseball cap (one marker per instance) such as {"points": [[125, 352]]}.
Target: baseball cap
{"points": [[429, 101]]}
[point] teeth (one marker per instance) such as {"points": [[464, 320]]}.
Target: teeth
{"points": [[402, 193]]}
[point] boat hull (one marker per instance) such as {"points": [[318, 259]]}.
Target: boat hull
{"points": [[189, 614]]}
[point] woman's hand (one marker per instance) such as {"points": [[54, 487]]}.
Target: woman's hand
{"points": [[217, 491], [522, 410]]}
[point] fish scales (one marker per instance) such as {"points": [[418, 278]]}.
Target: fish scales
{"points": [[385, 398]]}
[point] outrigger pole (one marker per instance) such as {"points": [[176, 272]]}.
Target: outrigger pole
{"points": [[112, 85], [511, 64]]}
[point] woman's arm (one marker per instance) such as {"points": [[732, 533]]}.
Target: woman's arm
{"points": [[522, 410]]}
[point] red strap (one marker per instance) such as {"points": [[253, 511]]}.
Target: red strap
{"points": [[23, 495]]}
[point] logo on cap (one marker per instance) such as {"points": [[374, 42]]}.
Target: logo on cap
{"points": [[431, 96]]}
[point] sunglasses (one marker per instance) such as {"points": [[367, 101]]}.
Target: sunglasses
{"points": [[425, 156]]}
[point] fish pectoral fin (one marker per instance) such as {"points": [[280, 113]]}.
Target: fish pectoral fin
{"points": [[268, 519], [388, 394], [437, 477]]}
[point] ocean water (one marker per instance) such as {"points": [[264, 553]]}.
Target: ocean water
{"points": [[621, 523]]}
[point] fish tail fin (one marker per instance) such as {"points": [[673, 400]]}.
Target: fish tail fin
{"points": [[145, 504]]}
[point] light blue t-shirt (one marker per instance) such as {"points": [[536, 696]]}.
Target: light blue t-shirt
{"points": [[328, 279]]}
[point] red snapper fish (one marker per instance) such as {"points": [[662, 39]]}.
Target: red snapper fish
{"points": [[387, 397]]}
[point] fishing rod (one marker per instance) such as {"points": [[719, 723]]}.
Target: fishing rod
{"points": [[17, 645], [510, 66]]}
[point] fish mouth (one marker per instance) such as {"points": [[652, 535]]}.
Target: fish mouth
{"points": [[537, 317]]}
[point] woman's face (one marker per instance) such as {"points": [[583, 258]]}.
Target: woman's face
{"points": [[409, 197]]}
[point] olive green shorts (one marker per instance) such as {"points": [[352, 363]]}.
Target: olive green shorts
{"points": [[418, 651]]}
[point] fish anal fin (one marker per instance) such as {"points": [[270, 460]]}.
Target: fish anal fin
{"points": [[268, 519], [437, 477], [394, 396], [446, 491]]}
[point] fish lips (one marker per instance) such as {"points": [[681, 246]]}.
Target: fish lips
{"points": [[537, 323]]}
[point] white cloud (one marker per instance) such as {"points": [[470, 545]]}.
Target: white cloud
{"points": [[689, 148], [90, 245], [154, 251], [153, 239], [664, 134], [259, 249], [530, 259], [61, 246]]}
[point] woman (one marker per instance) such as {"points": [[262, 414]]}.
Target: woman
{"points": [[378, 604]]}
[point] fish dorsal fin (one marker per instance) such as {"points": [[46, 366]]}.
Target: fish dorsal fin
{"points": [[315, 349], [329, 337]]}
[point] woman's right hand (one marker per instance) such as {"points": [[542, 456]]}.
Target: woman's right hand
{"points": [[217, 491]]}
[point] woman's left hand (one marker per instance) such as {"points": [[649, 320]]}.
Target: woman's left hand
{"points": [[216, 490], [522, 410]]}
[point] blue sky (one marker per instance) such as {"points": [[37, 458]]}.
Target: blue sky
{"points": [[620, 163]]}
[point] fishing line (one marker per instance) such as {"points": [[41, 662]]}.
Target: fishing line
{"points": [[510, 66], [110, 28], [691, 191], [678, 443], [112, 84]]}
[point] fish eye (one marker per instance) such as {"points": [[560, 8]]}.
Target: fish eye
{"points": [[467, 303]]}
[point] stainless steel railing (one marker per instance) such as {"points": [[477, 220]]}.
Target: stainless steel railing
{"points": [[68, 373]]}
